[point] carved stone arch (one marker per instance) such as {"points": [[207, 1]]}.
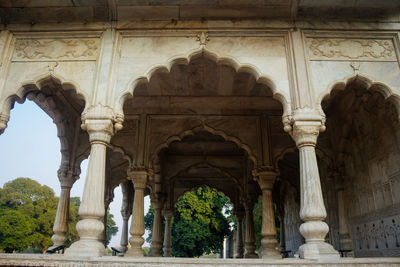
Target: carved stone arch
{"points": [[218, 169], [195, 130], [368, 83], [176, 198], [36, 85], [218, 59], [282, 154], [125, 156]]}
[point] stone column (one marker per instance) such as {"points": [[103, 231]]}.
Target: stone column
{"points": [[168, 214], [306, 127], [98, 121], [126, 211], [139, 180], [239, 234], [344, 234], [156, 242], [60, 228], [282, 233], [250, 235], [269, 242]]}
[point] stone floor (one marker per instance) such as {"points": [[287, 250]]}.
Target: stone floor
{"points": [[61, 260]]}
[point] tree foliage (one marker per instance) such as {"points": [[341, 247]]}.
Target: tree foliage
{"points": [[27, 214], [199, 225], [111, 227]]}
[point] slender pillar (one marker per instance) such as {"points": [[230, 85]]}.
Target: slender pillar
{"points": [[269, 242], [98, 121], [306, 127], [282, 233], [139, 180], [60, 228], [344, 235], [168, 214], [156, 242], [126, 211], [239, 234], [250, 235]]}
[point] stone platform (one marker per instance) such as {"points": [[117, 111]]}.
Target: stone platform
{"points": [[61, 260]]}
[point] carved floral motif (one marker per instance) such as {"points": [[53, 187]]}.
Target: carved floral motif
{"points": [[351, 49], [56, 49]]}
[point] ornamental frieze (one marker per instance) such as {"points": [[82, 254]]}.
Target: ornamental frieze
{"points": [[56, 49], [351, 49]]}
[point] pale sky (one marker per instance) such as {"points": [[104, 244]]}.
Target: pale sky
{"points": [[29, 147]]}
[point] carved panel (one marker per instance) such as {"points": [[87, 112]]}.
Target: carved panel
{"points": [[377, 237], [56, 49], [351, 49]]}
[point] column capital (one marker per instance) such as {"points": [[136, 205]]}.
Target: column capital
{"points": [[265, 178], [248, 203], [305, 126], [157, 200], [239, 214], [101, 123], [168, 214], [138, 178], [67, 177]]}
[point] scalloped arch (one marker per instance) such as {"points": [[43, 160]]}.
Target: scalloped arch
{"points": [[185, 59], [292, 149], [368, 83], [221, 171], [197, 129], [36, 85], [220, 190]]}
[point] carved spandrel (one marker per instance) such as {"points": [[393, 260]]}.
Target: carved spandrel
{"points": [[351, 49], [56, 49]]}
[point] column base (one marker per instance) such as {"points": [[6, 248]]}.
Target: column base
{"points": [[271, 254], [318, 250], [250, 256], [270, 248], [136, 253], [86, 248]]}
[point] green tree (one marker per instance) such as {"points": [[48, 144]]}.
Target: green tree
{"points": [[199, 225], [35, 201], [28, 209], [111, 227], [15, 231]]}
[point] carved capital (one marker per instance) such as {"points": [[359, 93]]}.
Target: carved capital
{"points": [[157, 200], [67, 177], [305, 126], [239, 214], [168, 214], [138, 178], [101, 123], [266, 179], [248, 204]]}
